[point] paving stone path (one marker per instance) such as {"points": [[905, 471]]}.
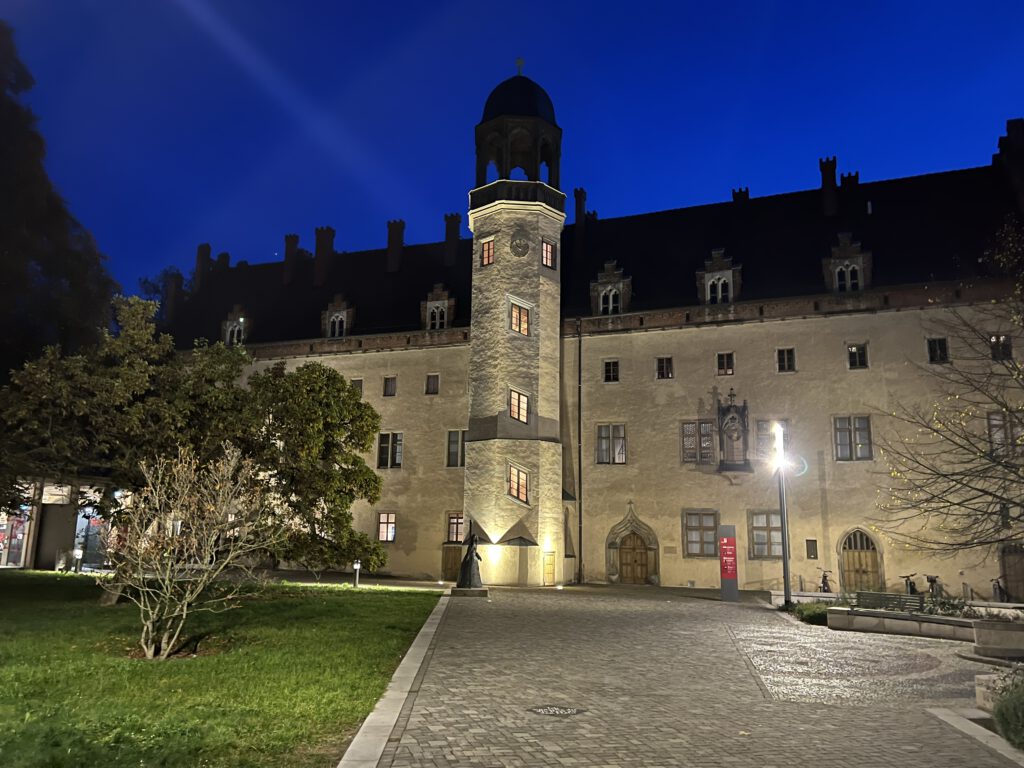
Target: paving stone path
{"points": [[665, 680]]}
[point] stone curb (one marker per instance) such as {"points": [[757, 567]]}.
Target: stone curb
{"points": [[995, 742], [369, 742]]}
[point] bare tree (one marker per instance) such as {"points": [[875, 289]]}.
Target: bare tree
{"points": [[956, 464], [188, 541]]}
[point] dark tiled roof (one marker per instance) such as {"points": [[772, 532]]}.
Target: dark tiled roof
{"points": [[919, 229]]}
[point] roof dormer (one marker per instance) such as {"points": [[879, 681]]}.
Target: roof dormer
{"points": [[438, 311], [336, 321], [719, 282], [611, 292], [848, 268]]}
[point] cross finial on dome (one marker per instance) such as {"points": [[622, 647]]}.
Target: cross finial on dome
{"points": [[519, 65]]}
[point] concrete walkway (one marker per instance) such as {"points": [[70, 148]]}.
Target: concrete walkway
{"points": [[620, 677]]}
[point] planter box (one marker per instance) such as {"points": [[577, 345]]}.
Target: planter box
{"points": [[894, 623], [999, 639], [985, 691]]}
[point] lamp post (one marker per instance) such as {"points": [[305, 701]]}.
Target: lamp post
{"points": [[355, 567], [780, 465]]}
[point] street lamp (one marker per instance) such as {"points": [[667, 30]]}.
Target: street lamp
{"points": [[780, 466]]}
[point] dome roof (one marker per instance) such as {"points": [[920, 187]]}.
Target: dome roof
{"points": [[519, 96]]}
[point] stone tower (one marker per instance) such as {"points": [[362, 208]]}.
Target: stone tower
{"points": [[513, 477]]}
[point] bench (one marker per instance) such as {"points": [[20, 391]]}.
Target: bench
{"points": [[889, 601]]}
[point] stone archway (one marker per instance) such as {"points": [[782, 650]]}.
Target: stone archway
{"points": [[633, 538]]}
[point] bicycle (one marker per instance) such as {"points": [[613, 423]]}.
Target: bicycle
{"points": [[909, 584], [824, 585], [934, 588], [999, 593]]}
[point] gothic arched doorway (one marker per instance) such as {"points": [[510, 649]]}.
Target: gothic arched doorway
{"points": [[860, 567], [633, 560], [632, 551]]}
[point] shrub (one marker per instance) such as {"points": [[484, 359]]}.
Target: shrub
{"points": [[1008, 712], [812, 613]]}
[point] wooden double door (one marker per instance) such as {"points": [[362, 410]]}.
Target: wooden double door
{"points": [[633, 562], [861, 572]]}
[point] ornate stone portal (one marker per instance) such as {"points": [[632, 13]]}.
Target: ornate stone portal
{"points": [[631, 551]]}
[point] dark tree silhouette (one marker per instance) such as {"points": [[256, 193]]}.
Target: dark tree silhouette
{"points": [[54, 288]]}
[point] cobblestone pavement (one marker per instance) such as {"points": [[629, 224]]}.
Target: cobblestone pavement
{"points": [[663, 680]]}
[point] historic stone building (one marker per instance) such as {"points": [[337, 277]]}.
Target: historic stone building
{"points": [[595, 399]]}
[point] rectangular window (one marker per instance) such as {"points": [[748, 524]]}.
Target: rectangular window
{"points": [[357, 385], [812, 549], [787, 360], [765, 534], [389, 450], [518, 484], [518, 406], [455, 527], [487, 253], [858, 355], [938, 351], [766, 439], [611, 443], [433, 384], [852, 438], [548, 257], [611, 370], [390, 386], [664, 368], [456, 448], [700, 532], [1004, 433], [698, 441], [519, 319], [1002, 347], [386, 526], [726, 364]]}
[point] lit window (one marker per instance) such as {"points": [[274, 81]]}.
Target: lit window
{"points": [[852, 438], [611, 443], [698, 441], [787, 360], [518, 406], [726, 364], [765, 534], [390, 386], [765, 447], [518, 484], [456, 448], [487, 253], [386, 526], [938, 351], [610, 302], [519, 319], [700, 532], [456, 526], [389, 450], [611, 370], [548, 258], [1002, 347], [433, 384], [857, 355], [664, 368]]}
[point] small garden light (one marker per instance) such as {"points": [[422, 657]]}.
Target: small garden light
{"points": [[355, 567]]}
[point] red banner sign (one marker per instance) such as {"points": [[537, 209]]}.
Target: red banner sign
{"points": [[727, 557]]}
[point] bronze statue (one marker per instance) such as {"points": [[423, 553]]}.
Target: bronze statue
{"points": [[469, 571]]}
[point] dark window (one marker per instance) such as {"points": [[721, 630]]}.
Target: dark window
{"points": [[390, 386], [611, 370], [854, 278], [664, 368], [520, 319], [938, 351], [389, 450], [611, 443], [852, 438], [726, 364], [487, 253], [455, 526], [1002, 347], [787, 360], [548, 257], [357, 385], [456, 448], [812, 549], [610, 302], [700, 532], [518, 484], [698, 441], [433, 384], [438, 317], [1004, 433], [765, 534], [858, 355], [386, 526], [518, 406]]}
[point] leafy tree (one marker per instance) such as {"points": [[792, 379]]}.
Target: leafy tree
{"points": [[54, 287], [956, 465]]}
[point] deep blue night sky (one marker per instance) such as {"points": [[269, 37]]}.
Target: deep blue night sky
{"points": [[236, 121]]}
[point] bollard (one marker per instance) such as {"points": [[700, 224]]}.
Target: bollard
{"points": [[355, 567]]}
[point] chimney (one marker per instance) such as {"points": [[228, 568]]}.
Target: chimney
{"points": [[396, 233], [202, 266], [1010, 158], [223, 261], [291, 256], [580, 229], [452, 224], [324, 252], [741, 195], [829, 202], [172, 296]]}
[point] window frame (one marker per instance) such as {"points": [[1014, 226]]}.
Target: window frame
{"points": [[518, 405], [393, 380], [705, 435], [851, 431], [548, 254], [857, 356], [434, 378], [664, 368], [615, 447], [517, 481], [785, 359], [610, 302], [390, 451], [387, 527], [764, 440], [610, 374], [938, 350], [357, 384], [701, 529], [459, 528], [487, 252], [458, 449], [770, 527], [725, 363], [519, 317], [1001, 347]]}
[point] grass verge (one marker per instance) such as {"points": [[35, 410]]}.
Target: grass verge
{"points": [[284, 680]]}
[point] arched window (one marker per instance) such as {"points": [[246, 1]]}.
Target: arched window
{"points": [[610, 302], [841, 279], [336, 326], [723, 291], [437, 317], [713, 292], [854, 278], [233, 336]]}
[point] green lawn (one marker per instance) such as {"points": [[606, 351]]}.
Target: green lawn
{"points": [[283, 681]]}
